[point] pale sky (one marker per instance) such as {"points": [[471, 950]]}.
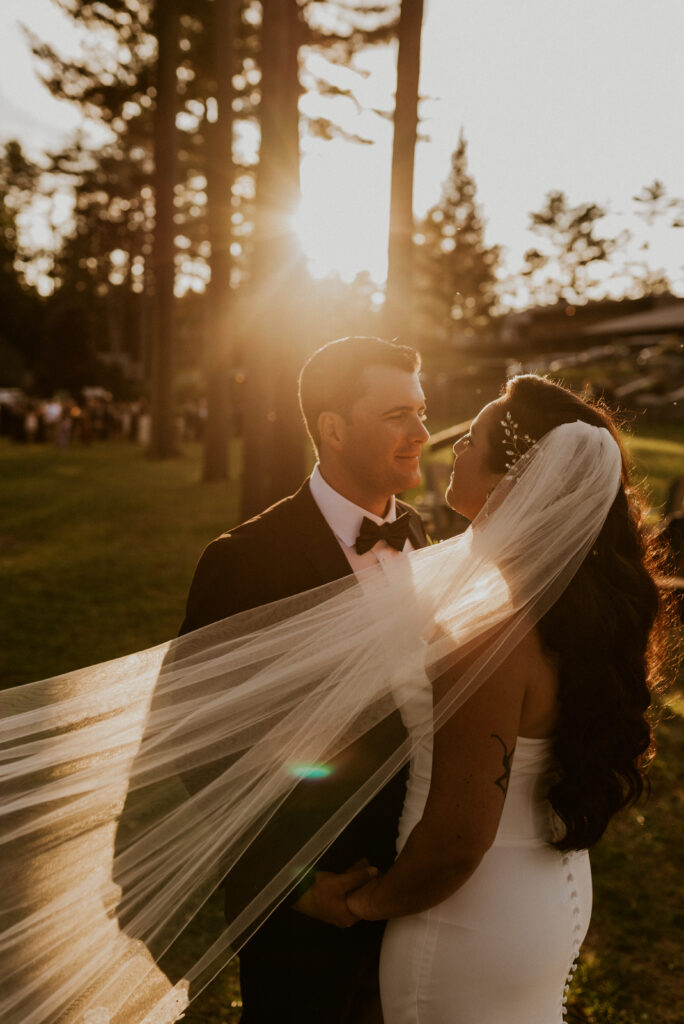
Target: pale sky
{"points": [[585, 96]]}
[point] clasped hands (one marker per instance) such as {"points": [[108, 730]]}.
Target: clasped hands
{"points": [[338, 898]]}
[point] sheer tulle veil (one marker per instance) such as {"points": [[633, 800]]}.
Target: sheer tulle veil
{"points": [[236, 754]]}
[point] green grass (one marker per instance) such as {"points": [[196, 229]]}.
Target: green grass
{"points": [[97, 549], [658, 453]]}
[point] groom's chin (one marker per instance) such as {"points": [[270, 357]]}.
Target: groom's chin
{"points": [[410, 476], [410, 481]]}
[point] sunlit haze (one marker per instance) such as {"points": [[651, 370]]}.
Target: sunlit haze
{"points": [[584, 97]]}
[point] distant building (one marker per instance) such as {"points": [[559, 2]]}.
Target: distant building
{"points": [[566, 326]]}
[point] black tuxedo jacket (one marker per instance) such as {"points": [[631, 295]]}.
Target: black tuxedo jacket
{"points": [[286, 550]]}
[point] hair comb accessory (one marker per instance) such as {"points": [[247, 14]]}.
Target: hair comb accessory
{"points": [[513, 441]]}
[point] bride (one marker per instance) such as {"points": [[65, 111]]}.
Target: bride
{"points": [[521, 657], [490, 895]]}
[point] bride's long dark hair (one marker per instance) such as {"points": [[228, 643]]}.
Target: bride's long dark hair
{"points": [[607, 634]]}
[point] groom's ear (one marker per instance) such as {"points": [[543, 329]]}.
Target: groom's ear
{"points": [[331, 427]]}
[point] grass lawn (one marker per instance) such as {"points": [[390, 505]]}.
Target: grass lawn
{"points": [[98, 546], [97, 549], [658, 453]]}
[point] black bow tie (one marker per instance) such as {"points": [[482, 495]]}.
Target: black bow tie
{"points": [[394, 533]]}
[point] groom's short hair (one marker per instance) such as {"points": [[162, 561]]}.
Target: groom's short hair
{"points": [[331, 379]]}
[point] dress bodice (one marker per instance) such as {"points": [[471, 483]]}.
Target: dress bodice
{"points": [[527, 817], [502, 945]]}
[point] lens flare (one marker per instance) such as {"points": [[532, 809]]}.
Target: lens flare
{"points": [[310, 771]]}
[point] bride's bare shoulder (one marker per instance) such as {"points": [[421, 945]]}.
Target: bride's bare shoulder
{"points": [[536, 675], [529, 656]]}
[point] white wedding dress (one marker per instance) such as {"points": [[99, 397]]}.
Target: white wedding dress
{"points": [[502, 948]]}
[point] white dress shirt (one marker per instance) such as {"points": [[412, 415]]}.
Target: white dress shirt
{"points": [[344, 519]]}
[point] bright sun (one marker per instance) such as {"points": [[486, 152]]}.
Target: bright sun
{"points": [[343, 218], [329, 242]]}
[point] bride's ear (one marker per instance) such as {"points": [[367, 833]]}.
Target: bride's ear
{"points": [[331, 429]]}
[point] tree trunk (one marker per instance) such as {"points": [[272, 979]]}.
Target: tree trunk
{"points": [[163, 435], [274, 436], [220, 176], [399, 302]]}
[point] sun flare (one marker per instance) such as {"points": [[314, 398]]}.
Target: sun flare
{"points": [[330, 242]]}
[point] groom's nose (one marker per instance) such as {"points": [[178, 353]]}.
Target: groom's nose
{"points": [[420, 432]]}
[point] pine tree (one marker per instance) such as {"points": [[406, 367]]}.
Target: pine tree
{"points": [[21, 324], [166, 30], [456, 270], [220, 175], [399, 303], [271, 309], [274, 441], [658, 211], [561, 268]]}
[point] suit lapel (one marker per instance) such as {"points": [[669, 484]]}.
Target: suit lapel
{"points": [[307, 536], [417, 534], [311, 539]]}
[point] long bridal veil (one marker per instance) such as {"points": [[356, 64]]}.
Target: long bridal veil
{"points": [[233, 756]]}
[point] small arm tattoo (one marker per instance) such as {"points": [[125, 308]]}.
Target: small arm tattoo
{"points": [[507, 758]]}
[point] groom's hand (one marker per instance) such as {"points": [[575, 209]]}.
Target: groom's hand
{"points": [[325, 900]]}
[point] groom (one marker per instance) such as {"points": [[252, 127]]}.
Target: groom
{"points": [[364, 408]]}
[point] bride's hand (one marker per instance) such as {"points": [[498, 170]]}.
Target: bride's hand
{"points": [[326, 899], [360, 901]]}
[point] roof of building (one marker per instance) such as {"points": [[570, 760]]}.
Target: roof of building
{"points": [[652, 321]]}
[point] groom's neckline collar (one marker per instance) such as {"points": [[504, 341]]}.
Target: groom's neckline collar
{"points": [[342, 515]]}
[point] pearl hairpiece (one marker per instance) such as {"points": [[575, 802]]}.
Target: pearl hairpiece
{"points": [[513, 439]]}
